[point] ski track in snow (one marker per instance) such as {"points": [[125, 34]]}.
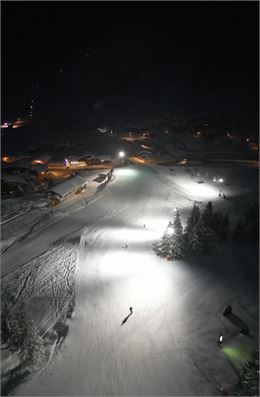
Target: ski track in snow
{"points": [[52, 276], [166, 347]]}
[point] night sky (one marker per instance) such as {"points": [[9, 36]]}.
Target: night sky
{"points": [[129, 61]]}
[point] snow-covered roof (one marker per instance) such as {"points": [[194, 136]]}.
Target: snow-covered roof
{"points": [[42, 157], [39, 167], [145, 154], [103, 157], [70, 184]]}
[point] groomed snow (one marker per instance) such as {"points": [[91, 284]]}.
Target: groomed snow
{"points": [[168, 346]]}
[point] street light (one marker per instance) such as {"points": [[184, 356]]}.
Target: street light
{"points": [[122, 155]]}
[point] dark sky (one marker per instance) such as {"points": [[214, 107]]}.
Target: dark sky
{"points": [[144, 59]]}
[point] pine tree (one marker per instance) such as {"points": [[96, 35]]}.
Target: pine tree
{"points": [[172, 244], [208, 237], [177, 239], [191, 222], [195, 243], [24, 337], [163, 246], [4, 324], [208, 215], [178, 229]]}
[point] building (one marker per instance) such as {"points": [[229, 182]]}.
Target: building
{"points": [[145, 155], [70, 187], [100, 159]]}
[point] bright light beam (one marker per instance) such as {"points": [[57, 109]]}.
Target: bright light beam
{"points": [[198, 190]]}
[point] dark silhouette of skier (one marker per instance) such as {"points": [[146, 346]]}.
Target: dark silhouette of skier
{"points": [[144, 225], [126, 318]]}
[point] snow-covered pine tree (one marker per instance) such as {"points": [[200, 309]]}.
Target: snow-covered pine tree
{"points": [[32, 351], [190, 225], [24, 337], [177, 238], [178, 229], [4, 325], [192, 220], [163, 246], [207, 236], [195, 243], [208, 215]]}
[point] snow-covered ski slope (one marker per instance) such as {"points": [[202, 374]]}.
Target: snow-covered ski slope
{"points": [[168, 346]]}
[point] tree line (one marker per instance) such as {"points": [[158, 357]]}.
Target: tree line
{"points": [[203, 231]]}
